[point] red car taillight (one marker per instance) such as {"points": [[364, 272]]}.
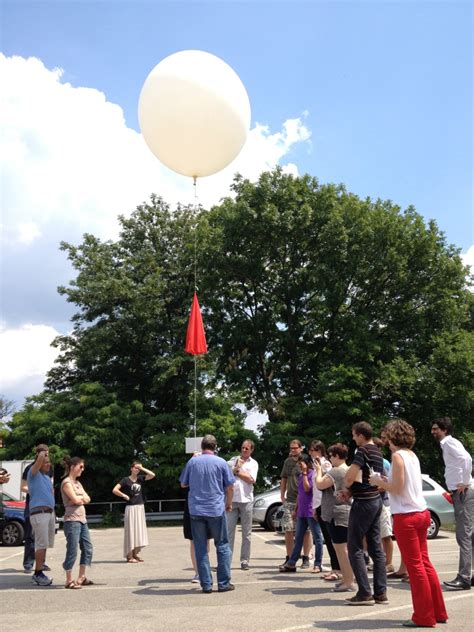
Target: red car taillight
{"points": [[448, 497]]}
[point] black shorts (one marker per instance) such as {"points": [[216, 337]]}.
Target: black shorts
{"points": [[188, 534], [338, 534]]}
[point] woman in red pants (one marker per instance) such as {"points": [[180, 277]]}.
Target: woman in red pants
{"points": [[411, 519]]}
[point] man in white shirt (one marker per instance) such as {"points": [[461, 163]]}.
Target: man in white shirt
{"points": [[459, 481], [245, 470]]}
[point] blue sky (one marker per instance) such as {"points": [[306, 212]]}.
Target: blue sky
{"points": [[381, 93]]}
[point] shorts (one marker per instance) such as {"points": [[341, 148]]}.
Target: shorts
{"points": [[188, 535], [337, 533], [386, 530], [288, 523], [44, 526]]}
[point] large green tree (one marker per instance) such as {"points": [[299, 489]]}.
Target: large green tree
{"points": [[317, 297], [321, 309], [133, 297]]}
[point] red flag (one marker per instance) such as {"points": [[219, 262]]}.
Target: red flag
{"points": [[195, 337]]}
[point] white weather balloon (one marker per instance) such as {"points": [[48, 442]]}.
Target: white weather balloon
{"points": [[194, 113]]}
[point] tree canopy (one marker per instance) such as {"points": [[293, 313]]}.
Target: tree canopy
{"points": [[320, 308]]}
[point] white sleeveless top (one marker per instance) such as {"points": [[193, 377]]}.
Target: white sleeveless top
{"points": [[411, 498]]}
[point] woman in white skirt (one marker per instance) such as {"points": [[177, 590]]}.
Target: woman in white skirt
{"points": [[130, 489]]}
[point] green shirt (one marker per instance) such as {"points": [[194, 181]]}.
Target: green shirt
{"points": [[289, 471]]}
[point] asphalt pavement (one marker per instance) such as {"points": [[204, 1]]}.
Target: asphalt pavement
{"points": [[158, 594]]}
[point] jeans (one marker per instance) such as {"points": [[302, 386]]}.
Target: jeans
{"points": [[244, 511], [29, 551], [464, 519], [427, 597], [216, 527], [364, 521], [76, 534], [302, 524]]}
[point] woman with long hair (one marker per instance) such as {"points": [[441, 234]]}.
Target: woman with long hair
{"points": [[411, 520], [304, 516], [75, 522], [318, 453], [130, 489]]}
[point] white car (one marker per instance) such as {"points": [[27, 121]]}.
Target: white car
{"points": [[265, 507], [439, 501]]}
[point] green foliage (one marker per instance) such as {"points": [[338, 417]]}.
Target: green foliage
{"points": [[328, 309], [320, 309]]}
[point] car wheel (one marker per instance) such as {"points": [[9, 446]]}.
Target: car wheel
{"points": [[269, 517], [434, 526], [12, 533]]}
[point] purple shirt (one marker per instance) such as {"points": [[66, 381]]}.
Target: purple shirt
{"points": [[305, 499]]}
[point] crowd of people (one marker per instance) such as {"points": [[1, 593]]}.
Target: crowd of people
{"points": [[348, 507]]}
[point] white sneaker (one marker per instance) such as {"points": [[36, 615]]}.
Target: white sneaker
{"points": [[195, 579]]}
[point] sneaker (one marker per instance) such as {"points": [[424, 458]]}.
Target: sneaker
{"points": [[226, 588], [195, 579], [45, 568], [244, 566], [27, 570], [286, 568], [304, 561], [381, 598], [40, 579], [357, 600]]}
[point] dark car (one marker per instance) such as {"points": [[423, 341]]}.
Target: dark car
{"points": [[12, 525], [12, 522]]}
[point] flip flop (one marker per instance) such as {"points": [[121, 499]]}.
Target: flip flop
{"points": [[132, 560], [139, 559], [72, 586], [86, 582]]}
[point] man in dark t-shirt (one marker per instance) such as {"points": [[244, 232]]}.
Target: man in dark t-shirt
{"points": [[364, 518]]}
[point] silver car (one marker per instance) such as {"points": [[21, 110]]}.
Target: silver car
{"points": [[439, 503], [265, 507]]}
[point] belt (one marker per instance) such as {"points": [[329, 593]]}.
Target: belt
{"points": [[42, 510]]}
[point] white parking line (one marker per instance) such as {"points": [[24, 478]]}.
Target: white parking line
{"points": [[376, 612]]}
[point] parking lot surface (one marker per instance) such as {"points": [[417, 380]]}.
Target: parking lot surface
{"points": [[158, 595]]}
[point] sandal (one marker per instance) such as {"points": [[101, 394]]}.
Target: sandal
{"points": [[132, 560], [85, 582], [138, 558], [72, 585], [332, 577]]}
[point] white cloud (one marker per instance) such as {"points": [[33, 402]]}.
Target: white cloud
{"points": [[28, 232], [26, 357], [68, 157], [69, 164], [468, 260]]}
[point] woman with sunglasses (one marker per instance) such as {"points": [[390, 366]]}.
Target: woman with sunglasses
{"points": [[75, 522], [335, 511], [130, 489]]}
